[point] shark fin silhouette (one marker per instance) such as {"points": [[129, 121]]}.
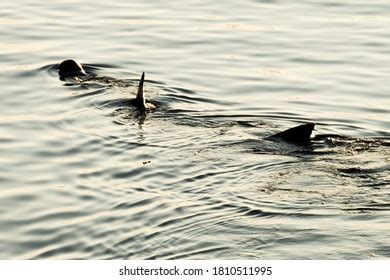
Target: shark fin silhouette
{"points": [[140, 99], [298, 134]]}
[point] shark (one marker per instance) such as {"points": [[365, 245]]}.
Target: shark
{"points": [[71, 69]]}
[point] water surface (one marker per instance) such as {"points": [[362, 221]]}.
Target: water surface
{"points": [[83, 176]]}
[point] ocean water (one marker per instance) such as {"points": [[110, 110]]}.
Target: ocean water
{"points": [[84, 176]]}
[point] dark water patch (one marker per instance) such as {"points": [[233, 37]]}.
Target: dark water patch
{"points": [[197, 253], [127, 205], [381, 250], [182, 98], [172, 222], [89, 94], [364, 210], [375, 185], [357, 171], [7, 140], [259, 213], [59, 251], [350, 143], [185, 92], [268, 147]]}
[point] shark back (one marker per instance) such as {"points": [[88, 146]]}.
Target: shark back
{"points": [[298, 134], [70, 68]]}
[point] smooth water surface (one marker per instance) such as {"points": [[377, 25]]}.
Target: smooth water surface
{"points": [[84, 176]]}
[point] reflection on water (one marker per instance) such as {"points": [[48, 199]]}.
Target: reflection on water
{"points": [[84, 176]]}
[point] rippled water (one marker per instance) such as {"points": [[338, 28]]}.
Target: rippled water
{"points": [[84, 176]]}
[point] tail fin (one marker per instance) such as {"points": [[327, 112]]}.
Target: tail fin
{"points": [[298, 134], [140, 99]]}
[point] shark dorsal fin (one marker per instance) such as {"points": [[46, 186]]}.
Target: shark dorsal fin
{"points": [[298, 134], [140, 99]]}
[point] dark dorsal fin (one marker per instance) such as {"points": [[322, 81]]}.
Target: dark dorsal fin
{"points": [[140, 99], [298, 134]]}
